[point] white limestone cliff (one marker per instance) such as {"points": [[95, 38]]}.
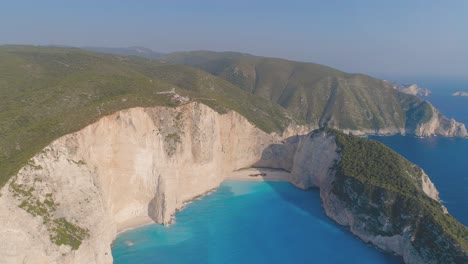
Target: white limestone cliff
{"points": [[412, 89], [133, 165], [460, 93], [441, 125]]}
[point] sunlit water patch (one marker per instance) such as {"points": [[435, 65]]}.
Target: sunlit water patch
{"points": [[248, 222]]}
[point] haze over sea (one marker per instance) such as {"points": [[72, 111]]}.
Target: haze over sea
{"points": [[273, 222]]}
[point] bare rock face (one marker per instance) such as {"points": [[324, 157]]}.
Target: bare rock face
{"points": [[441, 125], [412, 89], [429, 187], [128, 167], [460, 93], [311, 169]]}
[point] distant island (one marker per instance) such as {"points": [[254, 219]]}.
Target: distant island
{"points": [[460, 93]]}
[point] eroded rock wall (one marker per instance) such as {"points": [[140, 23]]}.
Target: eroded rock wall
{"points": [[441, 125], [134, 164]]}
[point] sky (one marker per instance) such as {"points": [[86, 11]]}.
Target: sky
{"points": [[385, 39]]}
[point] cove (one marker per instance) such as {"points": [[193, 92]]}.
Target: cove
{"points": [[248, 222]]}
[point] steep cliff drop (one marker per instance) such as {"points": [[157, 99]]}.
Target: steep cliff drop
{"points": [[68, 204], [440, 125]]}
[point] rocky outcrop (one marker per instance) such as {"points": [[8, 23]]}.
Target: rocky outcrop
{"points": [[460, 93], [440, 125], [436, 125], [133, 165], [428, 187], [412, 89], [382, 132]]}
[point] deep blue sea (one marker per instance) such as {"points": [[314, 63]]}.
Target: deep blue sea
{"points": [[254, 222], [445, 160], [248, 222]]}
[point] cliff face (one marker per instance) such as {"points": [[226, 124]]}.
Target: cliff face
{"points": [[134, 164], [440, 125], [412, 89], [436, 125]]}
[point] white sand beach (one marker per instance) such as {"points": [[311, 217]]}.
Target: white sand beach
{"points": [[134, 223], [259, 174], [247, 174]]}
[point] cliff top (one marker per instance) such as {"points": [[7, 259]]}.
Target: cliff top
{"points": [[47, 92]]}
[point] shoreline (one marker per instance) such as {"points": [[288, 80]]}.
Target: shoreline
{"points": [[238, 175], [269, 175], [133, 223]]}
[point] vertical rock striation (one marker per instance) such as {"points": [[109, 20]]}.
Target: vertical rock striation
{"points": [[128, 167], [440, 125]]}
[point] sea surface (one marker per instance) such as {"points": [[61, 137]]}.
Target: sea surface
{"points": [[445, 160], [248, 222]]}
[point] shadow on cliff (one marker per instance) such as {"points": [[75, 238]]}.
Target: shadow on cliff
{"points": [[279, 158]]}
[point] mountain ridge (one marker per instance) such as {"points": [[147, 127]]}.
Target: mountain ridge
{"points": [[128, 51], [319, 94]]}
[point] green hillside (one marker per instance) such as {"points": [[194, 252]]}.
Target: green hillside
{"points": [[375, 181], [49, 92], [319, 94]]}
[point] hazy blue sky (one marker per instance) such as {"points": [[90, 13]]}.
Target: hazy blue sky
{"points": [[383, 38]]}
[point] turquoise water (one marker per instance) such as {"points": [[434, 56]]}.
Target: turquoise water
{"points": [[248, 222]]}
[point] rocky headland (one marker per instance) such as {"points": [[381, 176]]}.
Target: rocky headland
{"points": [[412, 89]]}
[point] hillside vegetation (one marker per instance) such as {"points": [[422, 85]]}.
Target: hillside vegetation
{"points": [[130, 51], [319, 94], [46, 93], [376, 181]]}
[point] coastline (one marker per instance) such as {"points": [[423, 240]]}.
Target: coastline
{"points": [[133, 223], [238, 175], [269, 175]]}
